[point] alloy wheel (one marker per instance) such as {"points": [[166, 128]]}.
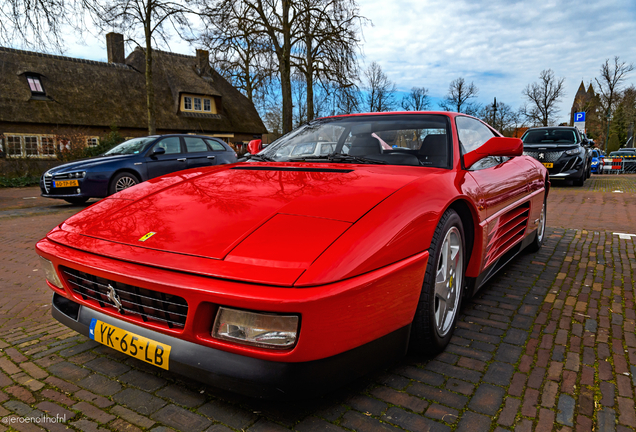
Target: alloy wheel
{"points": [[448, 281], [124, 183]]}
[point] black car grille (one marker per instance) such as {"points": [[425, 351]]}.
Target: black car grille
{"points": [[48, 183], [166, 309], [548, 156]]}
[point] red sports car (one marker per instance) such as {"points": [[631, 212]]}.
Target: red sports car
{"points": [[303, 267]]}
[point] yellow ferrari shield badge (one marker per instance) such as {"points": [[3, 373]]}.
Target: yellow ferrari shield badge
{"points": [[147, 236]]}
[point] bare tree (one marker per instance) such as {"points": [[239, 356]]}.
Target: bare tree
{"points": [[543, 97], [502, 117], [608, 87], [36, 24], [459, 97], [242, 55], [149, 20], [380, 90], [416, 100], [329, 38]]}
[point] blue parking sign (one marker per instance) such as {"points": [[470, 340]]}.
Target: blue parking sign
{"points": [[579, 117]]}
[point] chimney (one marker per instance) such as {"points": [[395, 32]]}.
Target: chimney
{"points": [[115, 48], [203, 60]]}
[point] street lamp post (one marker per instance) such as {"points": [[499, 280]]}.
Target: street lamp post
{"points": [[609, 116]]}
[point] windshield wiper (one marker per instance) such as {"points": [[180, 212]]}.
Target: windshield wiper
{"points": [[337, 158], [257, 157], [342, 157]]}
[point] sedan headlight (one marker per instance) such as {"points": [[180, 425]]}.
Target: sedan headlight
{"points": [[50, 272], [572, 151], [594, 162], [256, 328]]}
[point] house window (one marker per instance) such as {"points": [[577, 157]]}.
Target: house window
{"points": [[92, 142], [194, 103], [48, 146], [31, 146], [35, 85], [14, 146]]}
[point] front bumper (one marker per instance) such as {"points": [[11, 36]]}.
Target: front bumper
{"points": [[352, 325], [246, 375], [94, 185]]}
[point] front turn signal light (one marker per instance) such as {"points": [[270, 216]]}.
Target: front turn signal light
{"points": [[263, 330], [50, 272]]}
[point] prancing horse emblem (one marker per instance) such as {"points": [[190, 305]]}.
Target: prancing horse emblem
{"points": [[541, 155], [113, 297]]}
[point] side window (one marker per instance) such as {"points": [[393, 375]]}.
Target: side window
{"points": [[195, 145], [171, 144], [215, 145], [472, 133]]}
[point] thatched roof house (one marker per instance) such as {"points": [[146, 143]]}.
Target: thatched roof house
{"points": [[41, 94]]}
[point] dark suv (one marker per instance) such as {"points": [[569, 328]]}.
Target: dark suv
{"points": [[562, 150]]}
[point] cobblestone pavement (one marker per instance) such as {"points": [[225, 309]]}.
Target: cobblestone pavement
{"points": [[548, 344]]}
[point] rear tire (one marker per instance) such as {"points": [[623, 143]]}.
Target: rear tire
{"points": [[440, 299], [538, 239]]}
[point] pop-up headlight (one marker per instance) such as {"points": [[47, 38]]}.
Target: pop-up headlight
{"points": [[259, 329]]}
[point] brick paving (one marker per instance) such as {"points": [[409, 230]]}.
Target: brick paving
{"points": [[548, 344]]}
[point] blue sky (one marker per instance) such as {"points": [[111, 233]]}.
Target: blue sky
{"points": [[500, 45]]}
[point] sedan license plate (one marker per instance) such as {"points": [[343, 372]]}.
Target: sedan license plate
{"points": [[65, 183], [129, 343], [548, 164]]}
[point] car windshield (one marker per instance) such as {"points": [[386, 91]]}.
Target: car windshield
{"points": [[595, 154], [550, 136], [133, 146], [394, 139]]}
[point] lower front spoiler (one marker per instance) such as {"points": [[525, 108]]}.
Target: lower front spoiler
{"points": [[246, 375]]}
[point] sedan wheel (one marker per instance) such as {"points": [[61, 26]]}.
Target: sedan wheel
{"points": [[440, 300], [122, 181]]}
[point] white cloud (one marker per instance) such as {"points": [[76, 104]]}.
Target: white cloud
{"points": [[500, 45]]}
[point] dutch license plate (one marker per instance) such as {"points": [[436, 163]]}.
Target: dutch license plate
{"points": [[548, 164], [129, 343], [65, 183]]}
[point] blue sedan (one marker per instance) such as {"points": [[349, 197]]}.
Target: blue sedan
{"points": [[132, 162]]}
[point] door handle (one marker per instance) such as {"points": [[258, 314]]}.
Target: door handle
{"points": [[211, 157], [181, 159]]}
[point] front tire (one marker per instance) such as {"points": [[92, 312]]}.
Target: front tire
{"points": [[122, 181], [439, 303]]}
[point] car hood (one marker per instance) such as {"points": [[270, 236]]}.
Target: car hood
{"points": [[87, 163], [256, 214]]}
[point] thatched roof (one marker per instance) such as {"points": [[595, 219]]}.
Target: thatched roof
{"points": [[90, 93]]}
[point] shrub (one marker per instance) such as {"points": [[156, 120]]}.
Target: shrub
{"points": [[613, 143]]}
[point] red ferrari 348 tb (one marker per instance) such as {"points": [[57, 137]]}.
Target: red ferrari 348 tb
{"points": [[331, 252]]}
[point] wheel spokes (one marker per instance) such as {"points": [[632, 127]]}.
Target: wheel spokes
{"points": [[448, 281]]}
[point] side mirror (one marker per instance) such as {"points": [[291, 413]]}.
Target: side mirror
{"points": [[158, 151], [496, 146], [255, 146]]}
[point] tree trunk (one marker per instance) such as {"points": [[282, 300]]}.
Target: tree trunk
{"points": [[150, 90], [309, 75], [285, 69]]}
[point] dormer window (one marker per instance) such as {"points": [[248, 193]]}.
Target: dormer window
{"points": [[198, 104], [35, 85]]}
